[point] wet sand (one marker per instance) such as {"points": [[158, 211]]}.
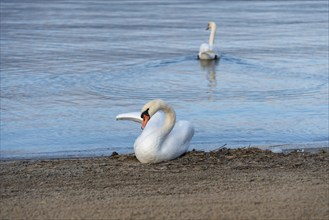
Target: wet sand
{"points": [[224, 184]]}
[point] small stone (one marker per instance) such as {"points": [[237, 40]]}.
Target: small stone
{"points": [[114, 153]]}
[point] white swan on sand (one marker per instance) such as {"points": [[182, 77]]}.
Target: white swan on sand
{"points": [[162, 138], [209, 51]]}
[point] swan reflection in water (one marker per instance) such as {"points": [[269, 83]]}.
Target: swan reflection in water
{"points": [[209, 66]]}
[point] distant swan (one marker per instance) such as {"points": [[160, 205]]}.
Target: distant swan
{"points": [[162, 138], [208, 51]]}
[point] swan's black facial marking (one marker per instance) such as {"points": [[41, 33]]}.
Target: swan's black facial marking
{"points": [[146, 117], [146, 112]]}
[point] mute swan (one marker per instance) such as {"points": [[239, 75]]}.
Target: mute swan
{"points": [[162, 137], [208, 51]]}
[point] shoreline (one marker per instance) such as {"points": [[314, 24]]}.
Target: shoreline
{"points": [[275, 148], [245, 183]]}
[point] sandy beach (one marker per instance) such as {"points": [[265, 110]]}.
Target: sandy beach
{"points": [[223, 184]]}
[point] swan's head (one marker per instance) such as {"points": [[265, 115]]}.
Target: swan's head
{"points": [[149, 109], [211, 25]]}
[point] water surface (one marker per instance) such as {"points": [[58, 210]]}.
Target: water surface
{"points": [[68, 68]]}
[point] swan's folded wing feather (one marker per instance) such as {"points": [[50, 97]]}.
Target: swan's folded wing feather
{"points": [[179, 139], [204, 48], [184, 131], [131, 116]]}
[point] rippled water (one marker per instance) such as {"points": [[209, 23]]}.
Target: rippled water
{"points": [[69, 67]]}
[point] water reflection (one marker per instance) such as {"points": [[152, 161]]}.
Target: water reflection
{"points": [[209, 68]]}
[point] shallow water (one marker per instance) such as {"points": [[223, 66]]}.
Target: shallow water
{"points": [[68, 68]]}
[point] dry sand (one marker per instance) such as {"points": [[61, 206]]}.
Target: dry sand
{"points": [[226, 184]]}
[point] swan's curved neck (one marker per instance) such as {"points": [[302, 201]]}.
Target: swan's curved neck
{"points": [[212, 35], [170, 119]]}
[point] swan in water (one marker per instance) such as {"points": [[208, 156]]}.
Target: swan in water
{"points": [[208, 51], [162, 137]]}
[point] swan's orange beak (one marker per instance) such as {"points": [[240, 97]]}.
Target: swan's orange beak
{"points": [[146, 119]]}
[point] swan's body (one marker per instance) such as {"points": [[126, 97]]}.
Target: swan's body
{"points": [[209, 51], [162, 138]]}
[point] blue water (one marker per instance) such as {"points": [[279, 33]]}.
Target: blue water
{"points": [[69, 67]]}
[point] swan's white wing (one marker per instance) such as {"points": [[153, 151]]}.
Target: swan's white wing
{"points": [[178, 140], [208, 52], [182, 133], [204, 48], [131, 116]]}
